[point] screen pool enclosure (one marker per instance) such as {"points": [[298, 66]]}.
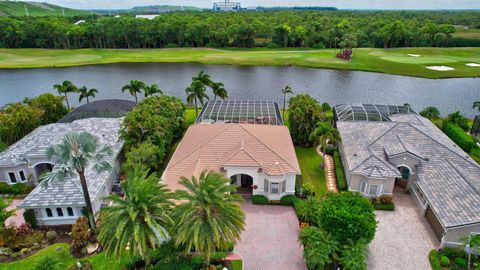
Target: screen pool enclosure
{"points": [[262, 112], [370, 112], [107, 108]]}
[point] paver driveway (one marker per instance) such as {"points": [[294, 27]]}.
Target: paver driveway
{"points": [[269, 241], [403, 238]]}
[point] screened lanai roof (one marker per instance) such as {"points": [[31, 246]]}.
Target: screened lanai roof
{"points": [[370, 112], [263, 112], [107, 108]]}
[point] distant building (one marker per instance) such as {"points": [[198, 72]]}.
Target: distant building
{"points": [[227, 6], [80, 22], [149, 17]]}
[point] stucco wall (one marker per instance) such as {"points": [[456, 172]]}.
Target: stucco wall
{"points": [[15, 169], [43, 220], [454, 236], [387, 189], [409, 161]]}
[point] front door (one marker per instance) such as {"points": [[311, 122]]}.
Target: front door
{"points": [[246, 180]]}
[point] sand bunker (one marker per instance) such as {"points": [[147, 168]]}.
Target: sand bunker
{"points": [[440, 68], [413, 55], [473, 64]]}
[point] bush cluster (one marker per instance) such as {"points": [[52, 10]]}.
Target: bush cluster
{"points": [[15, 189], [288, 200], [20, 240], [305, 113], [259, 199], [458, 135], [81, 233], [339, 172]]}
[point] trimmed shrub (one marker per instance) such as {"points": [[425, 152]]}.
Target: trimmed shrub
{"points": [[308, 189], [20, 188], [81, 234], [453, 253], [339, 172], [385, 199], [384, 207], [465, 141], [299, 205], [259, 199], [461, 262], [52, 236], [5, 188], [30, 218], [444, 261], [288, 200], [434, 259]]}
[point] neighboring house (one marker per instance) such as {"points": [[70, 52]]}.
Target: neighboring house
{"points": [[80, 22], [387, 145], [244, 141], [62, 201], [148, 17], [227, 6]]}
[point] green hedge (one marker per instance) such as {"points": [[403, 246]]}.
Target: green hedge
{"points": [[288, 200], [465, 141], [16, 189], [384, 207], [299, 205], [339, 172], [259, 199], [434, 259]]}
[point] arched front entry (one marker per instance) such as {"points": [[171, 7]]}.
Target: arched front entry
{"points": [[243, 181], [42, 168], [406, 173]]}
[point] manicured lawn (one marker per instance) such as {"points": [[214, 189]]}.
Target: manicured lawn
{"points": [[311, 172], [62, 252], [393, 61], [190, 116]]}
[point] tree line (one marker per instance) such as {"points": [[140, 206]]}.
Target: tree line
{"points": [[317, 29]]}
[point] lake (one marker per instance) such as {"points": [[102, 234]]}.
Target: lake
{"points": [[252, 82]]}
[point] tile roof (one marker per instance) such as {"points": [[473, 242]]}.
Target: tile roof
{"points": [[213, 146], [67, 192], [448, 177]]}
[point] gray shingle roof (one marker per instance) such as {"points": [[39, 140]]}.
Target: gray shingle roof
{"points": [[448, 177], [67, 192]]}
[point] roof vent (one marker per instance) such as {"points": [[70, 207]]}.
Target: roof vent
{"points": [[355, 155]]}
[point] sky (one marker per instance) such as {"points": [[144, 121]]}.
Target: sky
{"points": [[341, 4]]}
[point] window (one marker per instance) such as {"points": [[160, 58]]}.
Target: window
{"points": [[70, 211], [275, 188], [373, 190], [265, 185], [49, 212], [22, 176], [13, 178], [60, 212], [405, 172], [363, 187], [284, 186]]}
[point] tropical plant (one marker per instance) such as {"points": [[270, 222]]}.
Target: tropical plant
{"points": [[135, 87], [304, 114], [204, 78], [353, 256], [152, 90], [309, 211], [219, 91], [285, 91], [471, 245], [195, 94], [210, 218], [458, 119], [86, 93], [4, 213], [48, 262], [324, 134], [476, 105], [430, 113], [51, 106], [81, 233], [65, 88], [319, 248], [72, 156], [139, 221]]}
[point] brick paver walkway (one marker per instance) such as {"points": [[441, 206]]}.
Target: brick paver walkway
{"points": [[329, 167], [270, 239], [403, 238], [17, 219]]}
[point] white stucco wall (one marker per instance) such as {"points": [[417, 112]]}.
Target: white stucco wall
{"points": [[385, 185], [453, 236]]}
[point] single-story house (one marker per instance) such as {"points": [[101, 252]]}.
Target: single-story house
{"points": [[242, 141], [385, 145], [61, 202]]}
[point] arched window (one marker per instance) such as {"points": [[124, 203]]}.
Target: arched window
{"points": [[70, 211], [59, 212], [49, 212], [405, 172]]}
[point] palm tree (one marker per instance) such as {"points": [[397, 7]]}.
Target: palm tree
{"points": [[86, 93], [72, 156], [64, 88], [476, 105], [210, 218], [325, 134], [152, 90], [353, 256], [319, 247], [204, 78], [285, 91], [219, 90], [196, 93], [139, 221], [134, 88]]}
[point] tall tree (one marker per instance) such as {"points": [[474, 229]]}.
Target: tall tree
{"points": [[204, 78], [430, 113], [152, 90], [139, 220], [285, 91], [86, 93], [476, 105], [219, 90], [72, 156], [324, 134], [196, 93], [210, 218], [135, 87], [65, 88]]}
